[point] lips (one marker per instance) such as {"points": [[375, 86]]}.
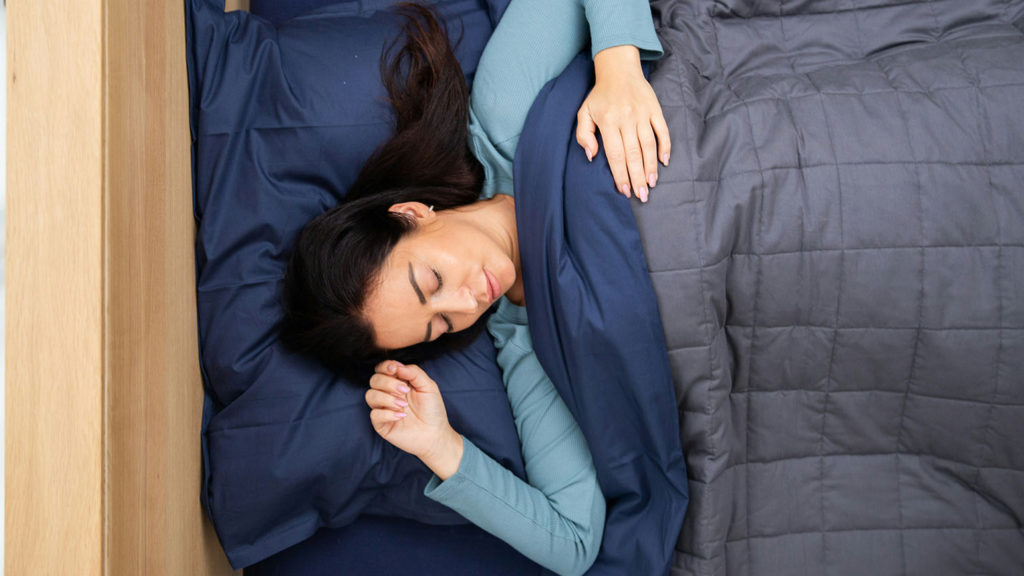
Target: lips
{"points": [[493, 287]]}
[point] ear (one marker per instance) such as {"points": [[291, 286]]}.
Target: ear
{"points": [[417, 211]]}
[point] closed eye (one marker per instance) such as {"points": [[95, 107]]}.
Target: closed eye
{"points": [[440, 283], [437, 275]]}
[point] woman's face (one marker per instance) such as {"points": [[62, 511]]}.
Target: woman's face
{"points": [[441, 277]]}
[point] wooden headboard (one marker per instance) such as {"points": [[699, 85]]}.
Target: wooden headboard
{"points": [[104, 394]]}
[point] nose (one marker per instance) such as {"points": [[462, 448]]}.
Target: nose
{"points": [[460, 301]]}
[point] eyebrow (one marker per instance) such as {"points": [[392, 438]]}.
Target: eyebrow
{"points": [[423, 300], [415, 286]]}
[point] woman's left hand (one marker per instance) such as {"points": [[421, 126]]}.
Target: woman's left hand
{"points": [[625, 109], [407, 411]]}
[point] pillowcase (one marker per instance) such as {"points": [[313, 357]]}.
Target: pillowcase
{"points": [[282, 120], [278, 11]]}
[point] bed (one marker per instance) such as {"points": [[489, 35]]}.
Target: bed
{"points": [[829, 276]]}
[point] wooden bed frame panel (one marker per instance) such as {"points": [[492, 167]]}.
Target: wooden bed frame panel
{"points": [[54, 363], [104, 393]]}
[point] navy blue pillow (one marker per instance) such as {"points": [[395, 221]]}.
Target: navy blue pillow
{"points": [[282, 120], [278, 11]]}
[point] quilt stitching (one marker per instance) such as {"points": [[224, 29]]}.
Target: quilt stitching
{"points": [[879, 328], [831, 12], [905, 453], [860, 34], [835, 331], [750, 314], [937, 34], [718, 59], [876, 248], [709, 334], [875, 529], [890, 392], [920, 311], [985, 138], [864, 163], [757, 291], [925, 92], [938, 247], [785, 39]]}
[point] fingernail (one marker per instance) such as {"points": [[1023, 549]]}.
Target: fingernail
{"points": [[624, 189], [664, 159], [401, 403], [400, 415], [642, 194], [652, 180], [403, 389], [590, 155]]}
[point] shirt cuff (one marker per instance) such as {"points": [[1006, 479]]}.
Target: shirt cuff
{"points": [[618, 23], [471, 466]]}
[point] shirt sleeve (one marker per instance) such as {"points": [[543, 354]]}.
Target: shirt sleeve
{"points": [[557, 519], [534, 41]]}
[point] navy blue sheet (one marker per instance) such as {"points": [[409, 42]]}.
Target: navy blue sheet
{"points": [[381, 546], [596, 328]]}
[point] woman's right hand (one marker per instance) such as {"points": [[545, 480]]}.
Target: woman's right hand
{"points": [[407, 411], [625, 109]]}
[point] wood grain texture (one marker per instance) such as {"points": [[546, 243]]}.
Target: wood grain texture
{"points": [[155, 524], [104, 394], [54, 362]]}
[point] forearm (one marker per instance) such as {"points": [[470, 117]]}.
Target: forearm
{"points": [[533, 43], [557, 522], [545, 528]]}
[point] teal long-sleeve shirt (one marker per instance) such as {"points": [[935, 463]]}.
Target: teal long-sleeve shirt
{"points": [[556, 518]]}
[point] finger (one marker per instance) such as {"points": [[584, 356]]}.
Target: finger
{"points": [[389, 384], [415, 376], [616, 161], [378, 399], [664, 140], [381, 419], [586, 133], [386, 367], [649, 149], [635, 163]]}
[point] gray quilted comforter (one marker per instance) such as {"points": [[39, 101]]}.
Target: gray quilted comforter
{"points": [[838, 254]]}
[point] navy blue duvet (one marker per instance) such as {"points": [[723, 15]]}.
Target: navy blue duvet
{"points": [[596, 329]]}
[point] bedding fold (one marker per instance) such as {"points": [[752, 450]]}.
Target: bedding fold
{"points": [[596, 329]]}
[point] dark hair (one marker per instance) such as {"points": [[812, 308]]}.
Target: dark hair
{"points": [[339, 255]]}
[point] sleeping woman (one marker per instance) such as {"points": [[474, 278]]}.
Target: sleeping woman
{"points": [[423, 254]]}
